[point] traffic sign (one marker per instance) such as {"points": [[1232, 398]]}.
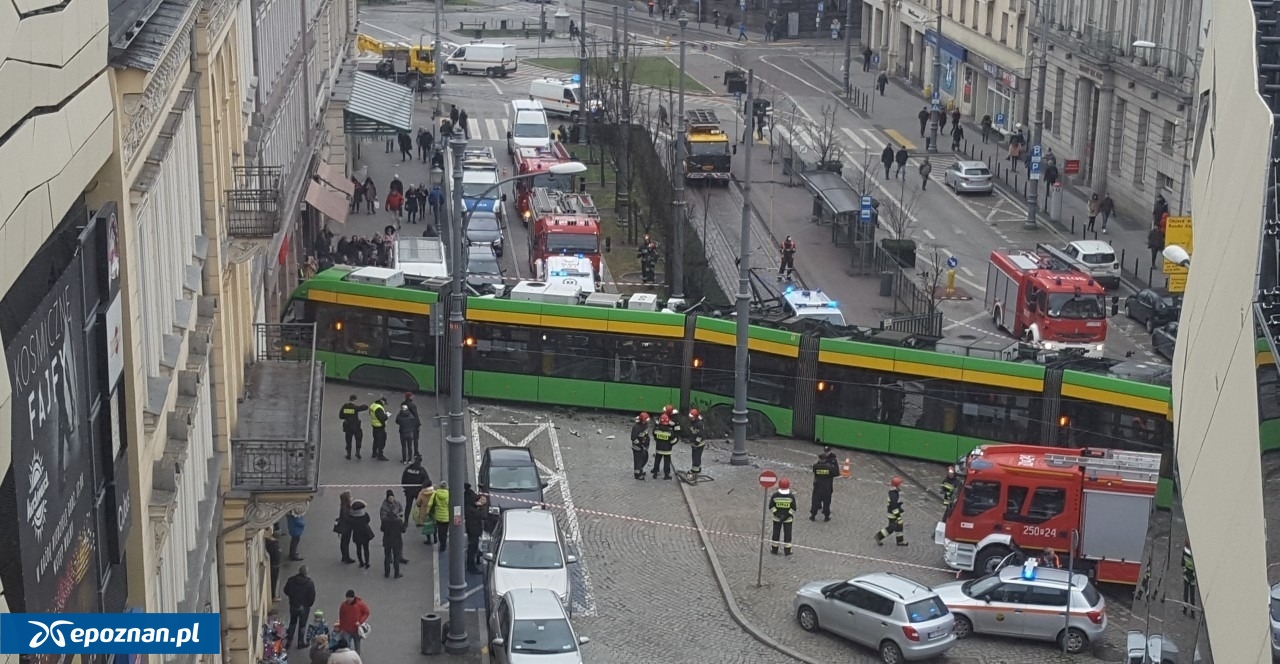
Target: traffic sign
{"points": [[1035, 168], [953, 262], [1037, 151], [1000, 119], [937, 96], [875, 58], [737, 96], [768, 478], [865, 207]]}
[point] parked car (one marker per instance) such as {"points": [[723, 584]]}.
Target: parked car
{"points": [[530, 553], [509, 475], [1275, 622], [903, 620], [969, 177], [485, 227], [1154, 649], [1151, 308], [1164, 339], [1029, 602], [484, 274], [529, 626]]}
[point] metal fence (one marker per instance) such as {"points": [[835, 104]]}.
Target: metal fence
{"points": [[921, 315], [253, 203]]}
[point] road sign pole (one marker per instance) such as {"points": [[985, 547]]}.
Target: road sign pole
{"points": [[768, 479]]}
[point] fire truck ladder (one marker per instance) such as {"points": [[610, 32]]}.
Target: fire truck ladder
{"points": [[701, 117], [1138, 466]]}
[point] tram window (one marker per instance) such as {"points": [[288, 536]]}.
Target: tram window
{"points": [[1104, 425], [298, 311], [853, 394], [575, 355], [1268, 393], [773, 379], [980, 496], [364, 332], [409, 338], [329, 319], [716, 373], [992, 413], [502, 349], [645, 361]]}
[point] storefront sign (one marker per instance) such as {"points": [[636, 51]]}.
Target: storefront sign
{"points": [[1008, 79], [916, 14], [956, 51], [1071, 167]]}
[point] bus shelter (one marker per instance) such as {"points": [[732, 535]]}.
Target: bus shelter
{"points": [[836, 203]]}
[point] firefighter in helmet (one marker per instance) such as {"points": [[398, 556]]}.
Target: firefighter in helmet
{"points": [[640, 444], [894, 513], [782, 506], [666, 433], [787, 266], [949, 486], [692, 432]]}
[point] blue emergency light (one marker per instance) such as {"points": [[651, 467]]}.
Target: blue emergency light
{"points": [[833, 304], [789, 290], [576, 78], [1029, 570], [559, 273], [579, 256]]}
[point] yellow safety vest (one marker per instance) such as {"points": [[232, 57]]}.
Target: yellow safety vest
{"points": [[374, 418]]}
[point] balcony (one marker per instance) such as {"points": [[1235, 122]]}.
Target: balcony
{"points": [[253, 205], [1089, 40], [276, 448]]}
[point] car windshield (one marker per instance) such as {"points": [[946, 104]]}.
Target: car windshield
{"points": [[480, 263], [977, 172], [542, 637], [531, 130], [551, 181], [926, 609], [1098, 259], [1275, 609], [1079, 307], [1166, 303], [514, 478], [479, 189], [516, 554], [1091, 596], [709, 148], [482, 223], [980, 587], [572, 243]]}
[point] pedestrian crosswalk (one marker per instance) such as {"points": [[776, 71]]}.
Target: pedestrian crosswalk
{"points": [[495, 129]]}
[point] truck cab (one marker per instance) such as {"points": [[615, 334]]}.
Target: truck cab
{"points": [[565, 235], [707, 153], [410, 63]]}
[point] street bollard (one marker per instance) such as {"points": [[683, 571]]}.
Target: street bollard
{"points": [[1073, 224], [1122, 258], [1150, 271]]}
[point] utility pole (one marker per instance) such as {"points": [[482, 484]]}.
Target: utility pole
{"points": [[435, 55], [456, 641], [622, 188], [935, 106], [542, 23], [677, 169], [1037, 129], [741, 358], [613, 50], [848, 47], [582, 76]]}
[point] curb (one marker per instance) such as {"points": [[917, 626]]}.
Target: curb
{"points": [[723, 582]]}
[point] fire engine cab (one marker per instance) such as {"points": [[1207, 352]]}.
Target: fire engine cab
{"points": [[538, 161], [564, 225], [1053, 309], [1092, 505]]}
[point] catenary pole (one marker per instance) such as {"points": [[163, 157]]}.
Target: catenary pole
{"points": [[935, 105], [848, 47], [436, 81], [456, 641], [1037, 128], [741, 360], [582, 75], [677, 169]]}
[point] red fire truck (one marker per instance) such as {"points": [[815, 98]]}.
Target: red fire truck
{"points": [[1053, 307], [539, 160], [565, 224], [1089, 504]]}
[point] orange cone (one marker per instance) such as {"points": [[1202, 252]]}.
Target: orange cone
{"points": [[846, 469]]}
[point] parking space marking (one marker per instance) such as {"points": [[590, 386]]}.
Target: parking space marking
{"points": [[588, 604]]}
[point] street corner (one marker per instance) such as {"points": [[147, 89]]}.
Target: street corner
{"points": [[956, 293]]}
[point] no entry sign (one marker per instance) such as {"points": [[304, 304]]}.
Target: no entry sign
{"points": [[768, 478]]}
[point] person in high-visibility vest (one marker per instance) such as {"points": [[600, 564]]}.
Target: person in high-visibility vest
{"points": [[782, 506], [693, 435], [378, 421], [666, 433], [1188, 580], [894, 513], [949, 486], [350, 416]]}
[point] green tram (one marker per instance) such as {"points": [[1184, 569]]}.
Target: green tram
{"points": [[900, 401]]}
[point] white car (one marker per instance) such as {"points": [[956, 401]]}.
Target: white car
{"points": [[529, 626], [530, 553]]}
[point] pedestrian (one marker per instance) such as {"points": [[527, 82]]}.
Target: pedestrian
{"points": [[424, 145], [949, 486], [742, 31], [477, 514], [296, 524], [413, 479], [886, 158], [378, 422], [901, 160], [370, 196], [1107, 208], [893, 511], [824, 477], [1188, 580], [395, 205], [1049, 558], [651, 7], [1095, 207], [406, 423], [318, 628], [406, 146], [440, 512], [1015, 155], [1155, 242], [787, 266], [640, 445], [301, 592], [357, 195], [986, 127], [353, 622], [866, 58], [454, 114], [882, 82], [446, 131], [666, 433], [408, 396], [942, 121], [351, 428], [782, 507], [955, 117], [421, 515], [343, 654], [1050, 177], [923, 117], [344, 526], [436, 200], [464, 124], [390, 506], [715, 19], [275, 649], [272, 545], [393, 540], [761, 121], [1159, 210], [361, 532], [693, 430], [319, 653], [411, 205], [957, 137], [925, 169]]}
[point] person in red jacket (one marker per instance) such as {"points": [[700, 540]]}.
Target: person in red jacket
{"points": [[352, 616]]}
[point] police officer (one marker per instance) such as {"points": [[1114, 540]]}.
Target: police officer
{"points": [[894, 513], [949, 486], [824, 475], [350, 416], [378, 421], [417, 430], [693, 435], [1188, 580], [782, 506], [788, 265], [665, 436], [412, 480], [640, 445]]}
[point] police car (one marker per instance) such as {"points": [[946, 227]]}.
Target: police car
{"points": [[812, 304]]}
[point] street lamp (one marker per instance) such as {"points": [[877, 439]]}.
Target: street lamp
{"points": [[435, 55], [741, 358], [1174, 253], [1037, 132], [456, 641], [1186, 160], [677, 200], [935, 103]]}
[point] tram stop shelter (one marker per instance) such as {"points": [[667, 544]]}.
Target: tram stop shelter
{"points": [[835, 202], [374, 108]]}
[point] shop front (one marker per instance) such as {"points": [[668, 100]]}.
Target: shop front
{"points": [[995, 93], [951, 58]]}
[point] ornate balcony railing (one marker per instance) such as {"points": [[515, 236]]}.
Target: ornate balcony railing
{"points": [[253, 204]]}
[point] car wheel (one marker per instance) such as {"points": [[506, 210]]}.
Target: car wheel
{"points": [[1073, 641], [1151, 326], [890, 653], [995, 317], [989, 559], [963, 628], [452, 70], [1128, 310], [808, 619]]}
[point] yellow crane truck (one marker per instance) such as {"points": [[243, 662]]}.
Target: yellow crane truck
{"points": [[706, 148], [409, 64]]}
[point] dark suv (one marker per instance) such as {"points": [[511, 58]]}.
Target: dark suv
{"points": [[509, 475]]}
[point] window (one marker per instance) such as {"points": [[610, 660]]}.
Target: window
{"points": [[991, 17], [409, 339], [644, 361], [514, 478], [575, 355], [873, 602], [1004, 28], [503, 349], [980, 496], [951, 8], [504, 618], [1046, 503], [1059, 84], [364, 332], [1164, 182], [1117, 133], [1167, 136], [518, 554], [771, 379], [1010, 593], [1014, 501], [1090, 594], [1019, 30], [926, 609], [1103, 425], [964, 6], [1046, 596], [543, 637], [1140, 147]]}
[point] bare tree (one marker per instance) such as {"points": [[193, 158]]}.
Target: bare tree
{"points": [[933, 275], [825, 143], [898, 216]]}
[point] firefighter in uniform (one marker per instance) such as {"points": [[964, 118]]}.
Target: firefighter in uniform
{"points": [[949, 486], [693, 435], [640, 444], [782, 506], [378, 421], [788, 265], [350, 416], [1188, 580], [648, 255], [665, 436], [894, 512], [824, 476]]}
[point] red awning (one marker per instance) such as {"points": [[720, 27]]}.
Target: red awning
{"points": [[332, 204], [332, 176]]}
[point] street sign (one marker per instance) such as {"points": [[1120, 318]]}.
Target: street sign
{"points": [[864, 209], [1000, 119], [875, 58], [953, 262], [1037, 151], [737, 96], [768, 478], [937, 101], [1035, 168], [1177, 230]]}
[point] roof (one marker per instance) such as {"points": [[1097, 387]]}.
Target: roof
{"points": [[152, 35], [970, 163], [1094, 246], [509, 456], [377, 107], [836, 194], [1054, 576], [529, 526], [898, 585], [535, 604]]}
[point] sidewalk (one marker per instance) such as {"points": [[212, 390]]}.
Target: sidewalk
{"points": [[894, 113]]}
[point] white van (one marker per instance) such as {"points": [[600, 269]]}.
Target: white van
{"points": [[529, 127], [497, 60], [556, 96]]}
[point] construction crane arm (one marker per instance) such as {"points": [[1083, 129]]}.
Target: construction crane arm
{"points": [[367, 44]]}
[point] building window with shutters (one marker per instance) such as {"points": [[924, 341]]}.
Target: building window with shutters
{"points": [[1117, 134], [1140, 147]]}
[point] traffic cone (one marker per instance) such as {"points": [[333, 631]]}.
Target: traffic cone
{"points": [[846, 469]]}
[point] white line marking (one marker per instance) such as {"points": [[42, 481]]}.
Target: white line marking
{"points": [[967, 271], [929, 234], [965, 322], [575, 533], [491, 128]]}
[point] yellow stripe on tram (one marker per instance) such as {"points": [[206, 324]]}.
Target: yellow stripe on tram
{"points": [[366, 302]]}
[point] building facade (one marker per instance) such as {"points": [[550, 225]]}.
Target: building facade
{"points": [[66, 452]]}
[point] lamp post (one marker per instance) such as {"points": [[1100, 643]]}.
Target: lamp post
{"points": [[582, 75], [1037, 131], [935, 102], [677, 200], [741, 359], [456, 641], [848, 48], [436, 81], [1190, 132]]}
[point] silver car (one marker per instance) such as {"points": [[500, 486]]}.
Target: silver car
{"points": [[529, 626], [485, 228], [1029, 602], [902, 620], [1275, 622], [969, 177], [530, 554]]}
